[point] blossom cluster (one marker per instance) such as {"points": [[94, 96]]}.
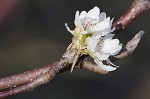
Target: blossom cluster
{"points": [[92, 36]]}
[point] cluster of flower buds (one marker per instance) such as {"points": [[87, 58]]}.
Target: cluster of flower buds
{"points": [[92, 36]]}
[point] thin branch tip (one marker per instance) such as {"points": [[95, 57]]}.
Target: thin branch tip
{"points": [[145, 3], [139, 35], [130, 47], [132, 44], [141, 32]]}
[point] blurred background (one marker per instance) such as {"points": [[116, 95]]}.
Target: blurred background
{"points": [[32, 34]]}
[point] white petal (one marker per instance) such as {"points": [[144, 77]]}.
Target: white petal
{"points": [[102, 16], [91, 43], [110, 43], [99, 33], [112, 20], [112, 64], [94, 13], [104, 67], [77, 20], [111, 46], [117, 49], [115, 41], [84, 32], [109, 36], [101, 56], [104, 25], [83, 14], [111, 30]]}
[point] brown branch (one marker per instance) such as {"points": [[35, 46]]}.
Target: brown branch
{"points": [[23, 78], [19, 79], [92, 67], [44, 74], [43, 79], [27, 87], [129, 48], [54, 69], [67, 59], [57, 66], [136, 10]]}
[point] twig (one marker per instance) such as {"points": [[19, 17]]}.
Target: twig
{"points": [[137, 9], [57, 66], [43, 79], [23, 78], [130, 47], [19, 79], [44, 74], [92, 67]]}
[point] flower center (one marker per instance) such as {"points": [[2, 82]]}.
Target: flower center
{"points": [[87, 24]]}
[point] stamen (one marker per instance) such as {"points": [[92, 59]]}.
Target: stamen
{"points": [[87, 24]]}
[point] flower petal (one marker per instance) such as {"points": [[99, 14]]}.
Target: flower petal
{"points": [[91, 44], [102, 16], [77, 20], [109, 36], [94, 13], [100, 33], [83, 14], [111, 46], [104, 67], [101, 56], [118, 49], [84, 32], [104, 25]]}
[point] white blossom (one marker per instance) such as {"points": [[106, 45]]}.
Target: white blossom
{"points": [[92, 22], [92, 35], [102, 47], [104, 67]]}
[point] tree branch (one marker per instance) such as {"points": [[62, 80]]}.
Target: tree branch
{"points": [[92, 67], [136, 10], [19, 79], [43, 79], [82, 64], [129, 48], [31, 79]]}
